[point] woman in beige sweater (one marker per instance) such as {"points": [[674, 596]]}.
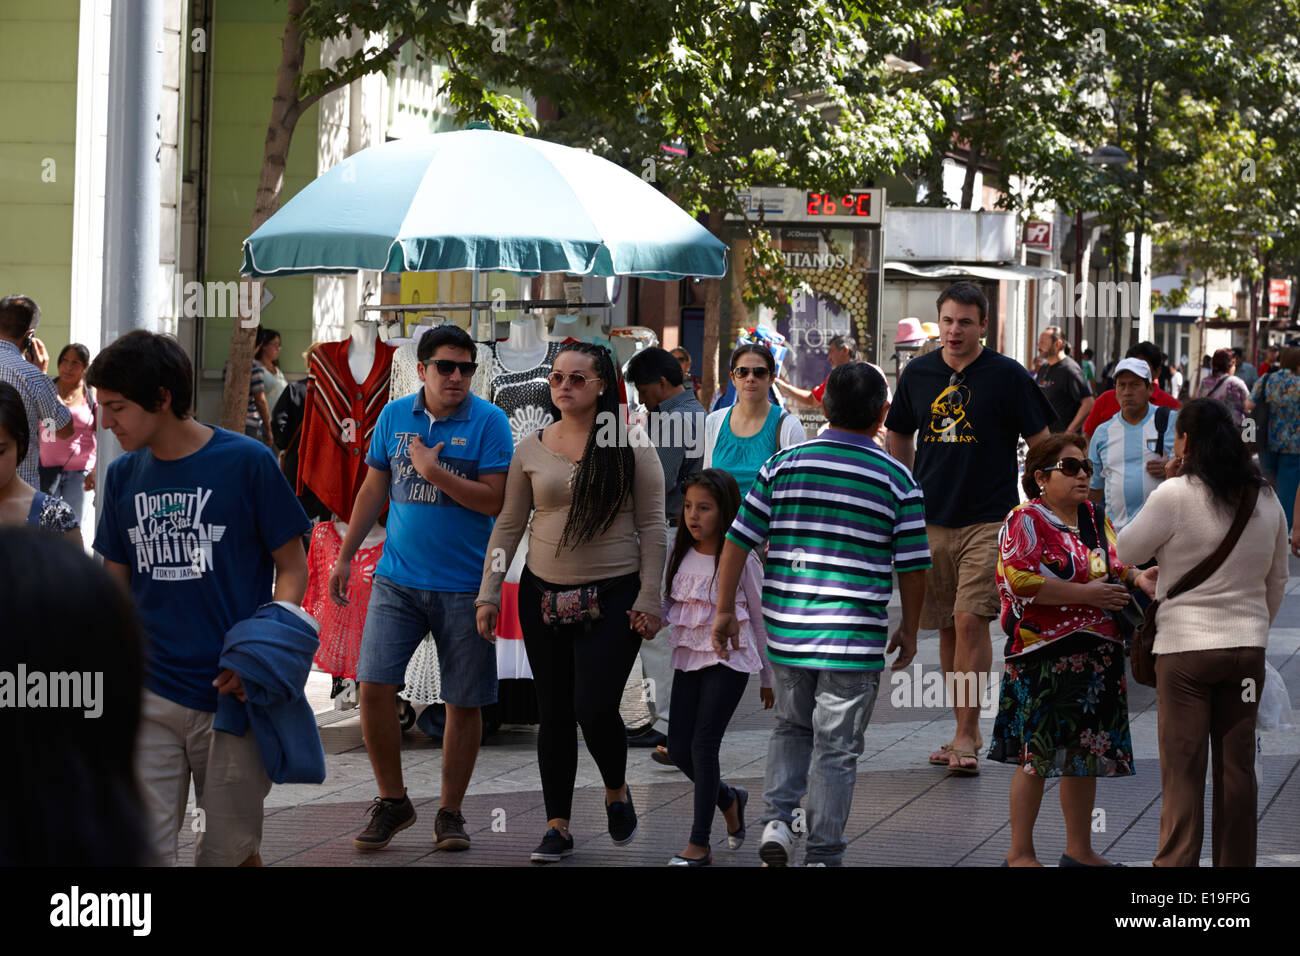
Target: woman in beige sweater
{"points": [[595, 493], [1210, 640]]}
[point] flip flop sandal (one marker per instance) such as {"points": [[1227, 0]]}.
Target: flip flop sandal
{"points": [[965, 771], [940, 757]]}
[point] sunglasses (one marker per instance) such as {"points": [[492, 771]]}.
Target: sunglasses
{"points": [[760, 371], [576, 379], [446, 366], [1071, 466], [956, 379]]}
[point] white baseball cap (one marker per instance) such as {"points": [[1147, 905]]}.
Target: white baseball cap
{"points": [[1135, 365]]}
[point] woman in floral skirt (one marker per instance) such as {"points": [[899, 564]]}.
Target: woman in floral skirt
{"points": [[1063, 709]]}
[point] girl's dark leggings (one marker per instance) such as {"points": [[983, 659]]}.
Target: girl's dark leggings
{"points": [[703, 702], [579, 672]]}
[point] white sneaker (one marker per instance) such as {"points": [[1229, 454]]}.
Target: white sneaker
{"points": [[777, 847], [814, 864]]}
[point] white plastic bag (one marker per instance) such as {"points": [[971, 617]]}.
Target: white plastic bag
{"points": [[1274, 703]]}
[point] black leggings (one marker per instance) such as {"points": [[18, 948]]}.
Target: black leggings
{"points": [[580, 674], [703, 702]]}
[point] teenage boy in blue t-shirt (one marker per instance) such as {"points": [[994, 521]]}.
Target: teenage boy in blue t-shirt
{"points": [[439, 458], [194, 520]]}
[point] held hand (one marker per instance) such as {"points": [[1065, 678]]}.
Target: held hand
{"points": [[423, 458], [338, 582], [905, 644], [89, 483], [1146, 581], [646, 625], [766, 696], [228, 682], [1108, 597], [1156, 467], [725, 633], [485, 619], [1173, 468]]}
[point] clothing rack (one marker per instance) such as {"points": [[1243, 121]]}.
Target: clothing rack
{"points": [[479, 305]]}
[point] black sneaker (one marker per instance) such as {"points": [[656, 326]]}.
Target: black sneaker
{"points": [[622, 820], [555, 846], [449, 831], [386, 819]]}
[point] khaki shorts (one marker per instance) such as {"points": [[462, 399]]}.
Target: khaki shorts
{"points": [[964, 576], [230, 783]]}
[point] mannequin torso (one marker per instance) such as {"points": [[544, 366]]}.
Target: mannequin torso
{"points": [[361, 350], [525, 349]]}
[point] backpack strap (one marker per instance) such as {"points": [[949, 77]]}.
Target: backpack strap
{"points": [[1162, 425]]}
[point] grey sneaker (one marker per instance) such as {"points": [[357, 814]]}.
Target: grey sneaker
{"points": [[386, 819], [449, 831]]}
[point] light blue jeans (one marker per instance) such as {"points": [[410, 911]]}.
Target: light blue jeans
{"points": [[821, 723]]}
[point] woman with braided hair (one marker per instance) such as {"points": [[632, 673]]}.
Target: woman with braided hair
{"points": [[595, 493]]}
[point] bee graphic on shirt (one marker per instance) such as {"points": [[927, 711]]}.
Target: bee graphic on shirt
{"points": [[948, 421]]}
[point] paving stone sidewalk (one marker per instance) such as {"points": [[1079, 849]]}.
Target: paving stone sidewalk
{"points": [[904, 811]]}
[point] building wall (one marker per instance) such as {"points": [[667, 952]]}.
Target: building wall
{"points": [[38, 100], [245, 51]]}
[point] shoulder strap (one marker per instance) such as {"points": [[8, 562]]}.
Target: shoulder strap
{"points": [[1162, 424], [1199, 574], [780, 424]]}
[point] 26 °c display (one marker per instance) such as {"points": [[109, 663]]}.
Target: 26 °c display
{"points": [[849, 205]]}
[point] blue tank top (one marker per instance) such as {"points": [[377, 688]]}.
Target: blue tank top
{"points": [[742, 457]]}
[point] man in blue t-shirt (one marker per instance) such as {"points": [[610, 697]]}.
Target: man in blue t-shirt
{"points": [[193, 521], [439, 459]]}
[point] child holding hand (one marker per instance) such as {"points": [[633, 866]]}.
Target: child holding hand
{"points": [[707, 687]]}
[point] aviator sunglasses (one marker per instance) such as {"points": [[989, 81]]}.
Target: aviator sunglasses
{"points": [[1071, 466], [760, 371], [576, 379]]}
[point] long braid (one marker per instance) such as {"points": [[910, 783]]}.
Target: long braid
{"points": [[604, 477]]}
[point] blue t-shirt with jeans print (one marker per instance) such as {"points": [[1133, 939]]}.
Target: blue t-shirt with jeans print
{"points": [[434, 542], [197, 535]]}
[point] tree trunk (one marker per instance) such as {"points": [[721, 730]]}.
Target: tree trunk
{"points": [[713, 316], [968, 184], [1254, 326], [1142, 117], [279, 134]]}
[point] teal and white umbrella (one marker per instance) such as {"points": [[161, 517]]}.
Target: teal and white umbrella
{"points": [[477, 199]]}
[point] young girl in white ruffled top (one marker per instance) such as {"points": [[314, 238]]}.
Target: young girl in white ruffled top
{"points": [[706, 688]]}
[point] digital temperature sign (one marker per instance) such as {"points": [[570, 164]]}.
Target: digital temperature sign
{"points": [[851, 205], [857, 207]]}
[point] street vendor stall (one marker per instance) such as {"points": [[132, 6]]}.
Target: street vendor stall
{"points": [[472, 200]]}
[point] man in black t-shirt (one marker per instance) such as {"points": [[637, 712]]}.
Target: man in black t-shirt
{"points": [[968, 406], [1063, 382]]}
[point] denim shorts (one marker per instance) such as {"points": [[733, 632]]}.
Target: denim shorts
{"points": [[397, 619]]}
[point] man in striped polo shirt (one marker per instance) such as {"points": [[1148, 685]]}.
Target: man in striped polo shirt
{"points": [[838, 516]]}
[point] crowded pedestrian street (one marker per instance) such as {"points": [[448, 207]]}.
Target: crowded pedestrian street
{"points": [[526, 439]]}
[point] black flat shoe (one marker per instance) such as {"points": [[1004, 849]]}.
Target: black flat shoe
{"points": [[648, 737], [706, 860], [1071, 861], [736, 837]]}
